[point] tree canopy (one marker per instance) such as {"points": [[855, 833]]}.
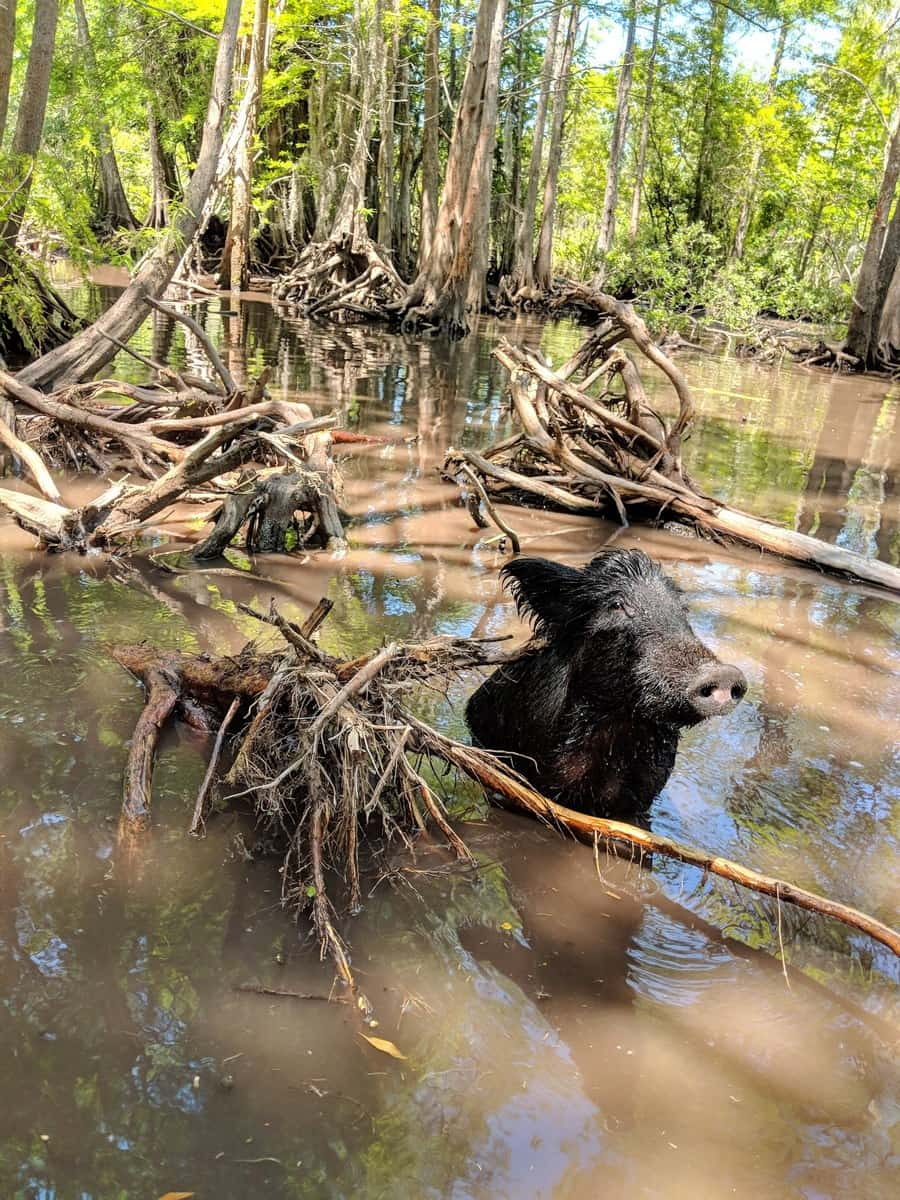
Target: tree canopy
{"points": [[694, 155]]}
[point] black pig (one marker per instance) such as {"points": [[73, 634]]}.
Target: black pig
{"points": [[591, 712]]}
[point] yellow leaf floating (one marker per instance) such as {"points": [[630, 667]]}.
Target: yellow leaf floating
{"points": [[381, 1044], [177, 1196]]}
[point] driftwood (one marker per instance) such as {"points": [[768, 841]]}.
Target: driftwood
{"points": [[327, 748], [584, 450], [179, 431]]}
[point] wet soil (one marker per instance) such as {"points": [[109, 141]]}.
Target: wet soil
{"points": [[566, 1035]]}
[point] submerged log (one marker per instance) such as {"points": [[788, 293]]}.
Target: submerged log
{"points": [[331, 748], [612, 450]]}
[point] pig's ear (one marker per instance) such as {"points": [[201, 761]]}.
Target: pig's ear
{"points": [[544, 592]]}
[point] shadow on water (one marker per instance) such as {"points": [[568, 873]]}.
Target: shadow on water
{"points": [[566, 1035]]}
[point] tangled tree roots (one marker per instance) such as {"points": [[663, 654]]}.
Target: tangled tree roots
{"points": [[179, 432], [342, 280], [328, 752], [590, 441]]}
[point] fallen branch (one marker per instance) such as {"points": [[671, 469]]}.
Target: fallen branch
{"points": [[33, 461], [198, 820], [162, 695], [589, 829], [357, 765], [584, 452]]}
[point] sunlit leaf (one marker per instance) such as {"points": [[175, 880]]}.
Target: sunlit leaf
{"points": [[384, 1046]]}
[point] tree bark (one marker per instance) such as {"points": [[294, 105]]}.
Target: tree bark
{"points": [[543, 263], [114, 209], [7, 47], [617, 143], [30, 118], [387, 200], [163, 172], [641, 158], [478, 209], [404, 163], [523, 260], [235, 270], [91, 349], [350, 218], [701, 204], [749, 186], [508, 207], [439, 294], [862, 329], [431, 132]]}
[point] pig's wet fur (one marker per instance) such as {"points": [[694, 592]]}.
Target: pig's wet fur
{"points": [[591, 712]]}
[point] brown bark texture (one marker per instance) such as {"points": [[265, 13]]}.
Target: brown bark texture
{"points": [[29, 129], [612, 451], [90, 350]]}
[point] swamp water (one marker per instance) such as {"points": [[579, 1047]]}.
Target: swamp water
{"points": [[565, 1035]]}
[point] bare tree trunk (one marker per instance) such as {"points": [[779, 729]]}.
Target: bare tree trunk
{"points": [[163, 172], [30, 118], [617, 143], [480, 201], [701, 204], [386, 194], [91, 349], [440, 292], [888, 298], [350, 217], [641, 159], [115, 211], [508, 206], [7, 46], [543, 263], [523, 259], [862, 330], [404, 163], [235, 269], [749, 186], [431, 132]]}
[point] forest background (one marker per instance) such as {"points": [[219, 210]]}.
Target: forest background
{"points": [[704, 158]]}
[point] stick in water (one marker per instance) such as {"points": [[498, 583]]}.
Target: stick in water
{"points": [[199, 818]]}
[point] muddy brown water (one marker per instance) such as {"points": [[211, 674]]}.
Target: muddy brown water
{"points": [[565, 1035]]}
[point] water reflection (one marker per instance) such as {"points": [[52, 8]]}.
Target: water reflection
{"points": [[818, 453], [566, 1035]]}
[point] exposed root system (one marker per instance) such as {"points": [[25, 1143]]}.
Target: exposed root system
{"points": [[589, 441], [329, 753], [178, 431], [341, 280]]}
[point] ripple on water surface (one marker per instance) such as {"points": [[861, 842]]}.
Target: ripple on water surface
{"points": [[572, 1028]]}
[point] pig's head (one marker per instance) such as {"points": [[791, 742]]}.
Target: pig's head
{"points": [[621, 626]]}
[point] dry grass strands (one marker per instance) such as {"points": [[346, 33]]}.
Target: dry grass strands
{"points": [[590, 441]]}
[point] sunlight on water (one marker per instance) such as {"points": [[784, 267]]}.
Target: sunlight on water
{"points": [[560, 1029]]}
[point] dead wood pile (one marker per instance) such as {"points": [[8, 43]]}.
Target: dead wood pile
{"points": [[341, 279], [270, 459], [330, 754], [590, 441]]}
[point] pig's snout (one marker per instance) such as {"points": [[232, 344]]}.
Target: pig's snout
{"points": [[716, 690]]}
